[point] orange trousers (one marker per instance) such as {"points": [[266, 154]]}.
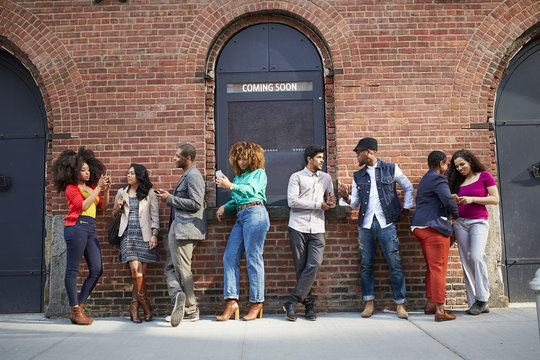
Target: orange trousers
{"points": [[435, 248]]}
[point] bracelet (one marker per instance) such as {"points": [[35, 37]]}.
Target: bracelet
{"points": [[231, 187], [155, 232]]}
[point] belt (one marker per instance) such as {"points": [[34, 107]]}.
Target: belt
{"points": [[243, 206]]}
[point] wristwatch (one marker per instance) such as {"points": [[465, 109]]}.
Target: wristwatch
{"points": [[231, 187], [155, 232]]}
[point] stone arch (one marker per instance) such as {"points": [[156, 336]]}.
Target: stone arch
{"points": [[30, 40]]}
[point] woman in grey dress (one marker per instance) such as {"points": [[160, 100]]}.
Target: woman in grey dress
{"points": [[139, 228]]}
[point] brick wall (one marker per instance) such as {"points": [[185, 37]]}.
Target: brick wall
{"points": [[128, 80]]}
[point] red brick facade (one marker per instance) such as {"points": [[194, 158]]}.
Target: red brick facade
{"points": [[133, 80]]}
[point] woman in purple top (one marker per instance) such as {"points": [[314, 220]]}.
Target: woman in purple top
{"points": [[473, 188]]}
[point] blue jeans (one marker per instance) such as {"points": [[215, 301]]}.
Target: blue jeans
{"points": [[81, 240], [367, 241], [247, 236]]}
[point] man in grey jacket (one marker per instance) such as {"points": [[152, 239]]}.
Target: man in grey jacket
{"points": [[187, 226]]}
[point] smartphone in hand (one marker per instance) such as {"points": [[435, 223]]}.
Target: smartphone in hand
{"points": [[156, 191], [219, 174], [108, 172]]}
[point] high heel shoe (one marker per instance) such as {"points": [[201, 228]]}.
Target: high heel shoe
{"points": [[255, 310], [231, 306]]}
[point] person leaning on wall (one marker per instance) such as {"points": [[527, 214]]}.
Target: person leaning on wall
{"points": [[474, 188], [374, 194], [309, 194], [81, 176], [139, 228], [187, 226], [248, 191], [432, 226]]}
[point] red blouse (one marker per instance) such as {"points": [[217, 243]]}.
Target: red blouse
{"points": [[75, 198]]}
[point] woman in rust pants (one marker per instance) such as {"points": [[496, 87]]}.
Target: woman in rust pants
{"points": [[432, 226]]}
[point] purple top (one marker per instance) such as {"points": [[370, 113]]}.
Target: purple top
{"points": [[478, 189]]}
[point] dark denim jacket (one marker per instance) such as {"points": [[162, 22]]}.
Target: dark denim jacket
{"points": [[386, 186]]}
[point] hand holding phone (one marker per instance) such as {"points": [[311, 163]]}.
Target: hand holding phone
{"points": [[108, 172], [219, 174]]}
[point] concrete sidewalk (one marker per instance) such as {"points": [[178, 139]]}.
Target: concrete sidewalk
{"points": [[510, 333]]}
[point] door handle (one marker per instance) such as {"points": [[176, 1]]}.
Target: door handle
{"points": [[5, 183]]}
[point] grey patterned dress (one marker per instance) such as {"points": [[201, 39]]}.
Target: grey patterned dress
{"points": [[133, 246]]}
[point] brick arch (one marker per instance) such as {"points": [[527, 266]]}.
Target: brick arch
{"points": [[497, 39], [210, 31], [211, 22], [51, 65]]}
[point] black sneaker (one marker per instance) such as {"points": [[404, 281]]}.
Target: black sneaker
{"points": [[177, 313], [310, 312], [483, 305], [289, 308]]}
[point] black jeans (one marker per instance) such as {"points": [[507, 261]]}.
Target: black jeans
{"points": [[81, 239], [307, 251]]}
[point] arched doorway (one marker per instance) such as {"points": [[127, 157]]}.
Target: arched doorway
{"points": [[23, 139], [517, 129], [269, 90]]}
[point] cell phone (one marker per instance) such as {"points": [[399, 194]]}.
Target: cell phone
{"points": [[455, 196], [219, 174], [108, 172], [156, 191]]}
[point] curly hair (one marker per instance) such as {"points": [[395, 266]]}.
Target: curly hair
{"points": [[144, 183], [66, 169], [246, 150], [455, 179]]}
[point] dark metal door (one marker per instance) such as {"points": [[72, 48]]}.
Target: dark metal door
{"points": [[22, 188], [517, 126], [269, 89]]}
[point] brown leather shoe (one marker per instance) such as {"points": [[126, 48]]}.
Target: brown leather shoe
{"points": [[134, 307], [368, 310], [231, 307], [77, 316], [430, 308], [444, 317], [255, 310], [402, 311], [143, 300]]}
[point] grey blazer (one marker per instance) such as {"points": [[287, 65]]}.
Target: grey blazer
{"points": [[187, 202]]}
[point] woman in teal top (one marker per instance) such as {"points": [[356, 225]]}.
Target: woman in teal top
{"points": [[248, 199]]}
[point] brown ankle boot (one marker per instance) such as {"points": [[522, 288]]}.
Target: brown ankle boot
{"points": [[231, 306], [368, 310], [77, 316], [255, 310], [134, 307], [143, 300]]}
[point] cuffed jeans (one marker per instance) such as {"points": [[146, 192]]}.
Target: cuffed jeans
{"points": [[472, 236], [247, 235], [307, 251], [178, 269], [367, 241], [81, 239]]}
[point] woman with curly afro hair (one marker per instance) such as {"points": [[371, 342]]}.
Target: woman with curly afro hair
{"points": [[81, 176], [248, 191]]}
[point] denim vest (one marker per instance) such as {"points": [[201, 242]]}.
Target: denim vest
{"points": [[386, 186]]}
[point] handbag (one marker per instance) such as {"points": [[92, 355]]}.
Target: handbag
{"points": [[114, 228]]}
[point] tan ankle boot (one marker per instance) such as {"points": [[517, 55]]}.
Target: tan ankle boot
{"points": [[77, 316], [231, 307], [255, 310], [402, 311], [134, 307], [368, 310], [143, 300]]}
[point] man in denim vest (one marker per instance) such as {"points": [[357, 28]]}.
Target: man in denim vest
{"points": [[373, 191]]}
